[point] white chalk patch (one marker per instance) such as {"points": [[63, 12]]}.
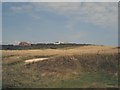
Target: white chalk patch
{"points": [[34, 60]]}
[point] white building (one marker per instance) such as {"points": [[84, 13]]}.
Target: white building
{"points": [[59, 42]]}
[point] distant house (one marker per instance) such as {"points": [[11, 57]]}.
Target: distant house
{"points": [[59, 42], [24, 44]]}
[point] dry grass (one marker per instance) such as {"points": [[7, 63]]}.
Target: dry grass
{"points": [[74, 51], [87, 66]]}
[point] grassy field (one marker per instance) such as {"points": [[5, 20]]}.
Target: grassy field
{"points": [[78, 67]]}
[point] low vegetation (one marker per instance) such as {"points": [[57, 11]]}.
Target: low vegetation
{"points": [[40, 46], [66, 68]]}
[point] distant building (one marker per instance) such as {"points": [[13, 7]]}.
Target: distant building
{"points": [[59, 42], [24, 44]]}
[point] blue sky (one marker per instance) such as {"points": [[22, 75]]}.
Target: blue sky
{"points": [[94, 23]]}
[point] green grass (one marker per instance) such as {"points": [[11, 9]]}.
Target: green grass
{"points": [[89, 80]]}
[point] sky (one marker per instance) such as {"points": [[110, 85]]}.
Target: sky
{"points": [[79, 22]]}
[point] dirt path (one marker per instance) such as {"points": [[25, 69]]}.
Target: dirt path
{"points": [[34, 60]]}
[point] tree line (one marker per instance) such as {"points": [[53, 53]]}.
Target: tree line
{"points": [[39, 46]]}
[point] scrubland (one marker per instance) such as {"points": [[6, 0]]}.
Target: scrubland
{"points": [[78, 67]]}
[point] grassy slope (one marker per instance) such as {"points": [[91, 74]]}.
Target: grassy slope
{"points": [[78, 67]]}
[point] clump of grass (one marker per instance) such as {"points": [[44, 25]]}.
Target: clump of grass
{"points": [[103, 62], [7, 56]]}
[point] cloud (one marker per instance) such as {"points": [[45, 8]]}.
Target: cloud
{"points": [[16, 9], [24, 8], [101, 14]]}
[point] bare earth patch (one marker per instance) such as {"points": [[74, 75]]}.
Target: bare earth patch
{"points": [[34, 60]]}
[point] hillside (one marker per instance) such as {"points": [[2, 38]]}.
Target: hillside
{"points": [[78, 67]]}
